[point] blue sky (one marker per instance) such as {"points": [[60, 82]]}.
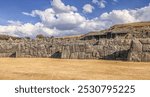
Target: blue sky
{"points": [[17, 14], [12, 9]]}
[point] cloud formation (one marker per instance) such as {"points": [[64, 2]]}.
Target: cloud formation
{"points": [[27, 29], [88, 8], [60, 7], [100, 3], [127, 16], [66, 20]]}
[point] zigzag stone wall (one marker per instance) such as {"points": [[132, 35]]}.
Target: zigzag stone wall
{"points": [[109, 49], [112, 49]]}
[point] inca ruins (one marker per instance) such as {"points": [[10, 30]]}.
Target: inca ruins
{"points": [[129, 42]]}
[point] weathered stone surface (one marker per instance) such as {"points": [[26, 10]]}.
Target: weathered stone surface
{"points": [[146, 47], [134, 56], [136, 46], [104, 49], [145, 57], [139, 51], [109, 49]]}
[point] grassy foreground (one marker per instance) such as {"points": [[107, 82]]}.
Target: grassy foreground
{"points": [[62, 69]]}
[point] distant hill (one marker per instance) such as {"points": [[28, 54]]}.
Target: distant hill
{"points": [[7, 37], [138, 30], [129, 26]]}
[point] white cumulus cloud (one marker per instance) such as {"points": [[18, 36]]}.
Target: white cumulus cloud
{"points": [[100, 3], [127, 16], [88, 8], [119, 16], [59, 6], [61, 21], [27, 29]]}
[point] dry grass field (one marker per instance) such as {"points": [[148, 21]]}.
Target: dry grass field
{"points": [[63, 69]]}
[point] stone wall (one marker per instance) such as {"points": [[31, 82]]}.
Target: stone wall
{"points": [[140, 50], [109, 49], [113, 49]]}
